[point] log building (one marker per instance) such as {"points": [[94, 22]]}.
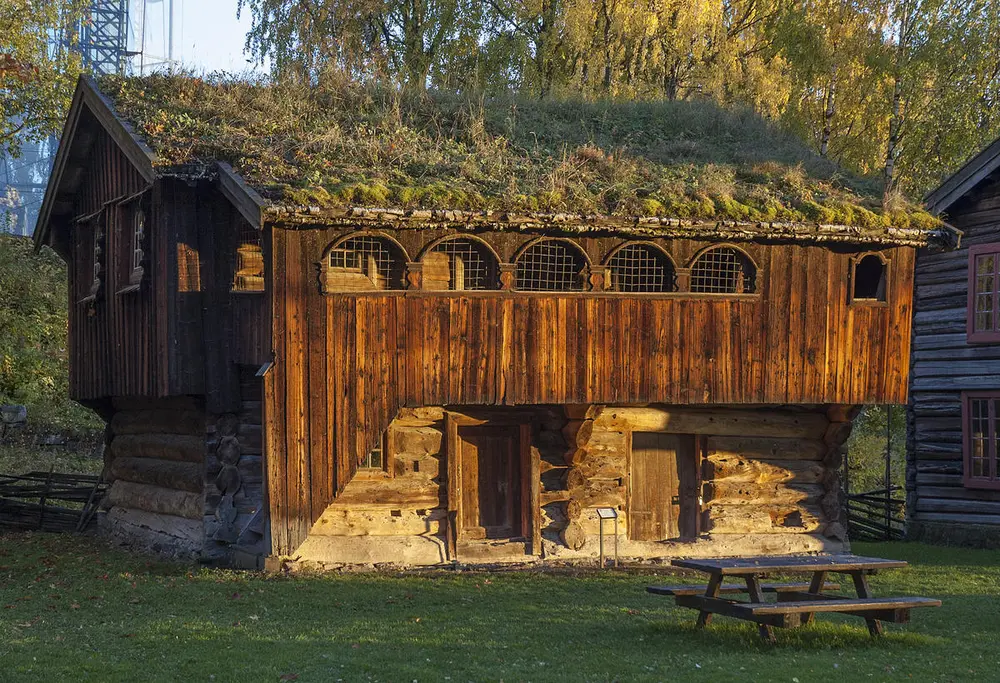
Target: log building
{"points": [[953, 470], [373, 377]]}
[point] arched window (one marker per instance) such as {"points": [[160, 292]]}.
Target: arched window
{"points": [[723, 270], [460, 264], [868, 278], [642, 268], [550, 266], [363, 263]]}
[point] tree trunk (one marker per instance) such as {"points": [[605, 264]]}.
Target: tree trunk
{"points": [[828, 114], [896, 119]]}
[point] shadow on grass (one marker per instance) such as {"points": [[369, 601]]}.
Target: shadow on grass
{"points": [[79, 609]]}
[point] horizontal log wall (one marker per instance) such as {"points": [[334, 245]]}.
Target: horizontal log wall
{"points": [[157, 471], [944, 364], [402, 518], [776, 488], [234, 510], [346, 364]]}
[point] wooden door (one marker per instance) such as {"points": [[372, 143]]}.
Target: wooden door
{"points": [[661, 486], [491, 482]]}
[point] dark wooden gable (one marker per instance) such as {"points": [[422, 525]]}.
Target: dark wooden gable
{"points": [[156, 316], [90, 116]]}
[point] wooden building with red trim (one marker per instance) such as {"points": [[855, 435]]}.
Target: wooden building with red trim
{"points": [[382, 379], [953, 466]]}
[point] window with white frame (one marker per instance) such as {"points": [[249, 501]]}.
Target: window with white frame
{"points": [[983, 322], [980, 432]]}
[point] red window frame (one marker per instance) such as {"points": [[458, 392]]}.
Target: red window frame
{"points": [[981, 336], [990, 400]]}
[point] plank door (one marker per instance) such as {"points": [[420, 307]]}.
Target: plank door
{"points": [[491, 482], [659, 508]]}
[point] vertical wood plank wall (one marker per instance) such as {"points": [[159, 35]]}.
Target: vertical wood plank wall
{"points": [[346, 364], [183, 332], [939, 507], [111, 343]]}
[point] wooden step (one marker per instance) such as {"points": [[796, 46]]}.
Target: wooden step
{"points": [[728, 589]]}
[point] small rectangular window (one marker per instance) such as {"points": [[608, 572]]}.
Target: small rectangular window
{"points": [[138, 242], [375, 459], [983, 324], [94, 286], [377, 463], [869, 279], [980, 432], [348, 259]]}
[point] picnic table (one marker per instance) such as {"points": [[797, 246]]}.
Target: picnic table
{"points": [[796, 603]]}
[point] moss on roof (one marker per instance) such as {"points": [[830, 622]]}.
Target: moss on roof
{"points": [[343, 144]]}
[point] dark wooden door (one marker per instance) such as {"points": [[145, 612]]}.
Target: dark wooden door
{"points": [[663, 495], [491, 505]]}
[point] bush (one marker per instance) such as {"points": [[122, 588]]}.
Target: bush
{"points": [[866, 449], [34, 369]]}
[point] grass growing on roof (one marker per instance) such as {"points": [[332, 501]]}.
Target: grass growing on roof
{"points": [[345, 144], [73, 609]]}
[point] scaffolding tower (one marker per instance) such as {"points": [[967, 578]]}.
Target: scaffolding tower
{"points": [[104, 37]]}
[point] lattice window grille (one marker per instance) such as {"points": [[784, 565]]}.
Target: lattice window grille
{"points": [[550, 267], [249, 234], [639, 268], [372, 256], [470, 266], [723, 271]]}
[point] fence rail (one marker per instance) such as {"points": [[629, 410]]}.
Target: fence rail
{"points": [[26, 501], [875, 515]]}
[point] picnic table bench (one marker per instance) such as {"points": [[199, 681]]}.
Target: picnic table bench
{"points": [[796, 602]]}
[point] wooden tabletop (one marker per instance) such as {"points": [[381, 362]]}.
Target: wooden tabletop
{"points": [[735, 566]]}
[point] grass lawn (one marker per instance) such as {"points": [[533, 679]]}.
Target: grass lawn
{"points": [[21, 459], [71, 608]]}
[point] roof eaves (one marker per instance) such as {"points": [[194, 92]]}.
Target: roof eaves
{"points": [[963, 181], [243, 197], [580, 224], [135, 148]]}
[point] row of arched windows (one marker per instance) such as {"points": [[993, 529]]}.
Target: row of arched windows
{"points": [[374, 262]]}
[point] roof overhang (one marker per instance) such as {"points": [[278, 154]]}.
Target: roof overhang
{"points": [[243, 197], [636, 227], [74, 146], [975, 171]]}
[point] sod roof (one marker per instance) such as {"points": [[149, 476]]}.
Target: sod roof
{"points": [[340, 145]]}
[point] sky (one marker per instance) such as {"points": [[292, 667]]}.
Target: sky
{"points": [[207, 35]]}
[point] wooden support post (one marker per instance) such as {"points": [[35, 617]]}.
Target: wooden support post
{"points": [[84, 516], [815, 588], [757, 595], [712, 591], [863, 591], [45, 495]]}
